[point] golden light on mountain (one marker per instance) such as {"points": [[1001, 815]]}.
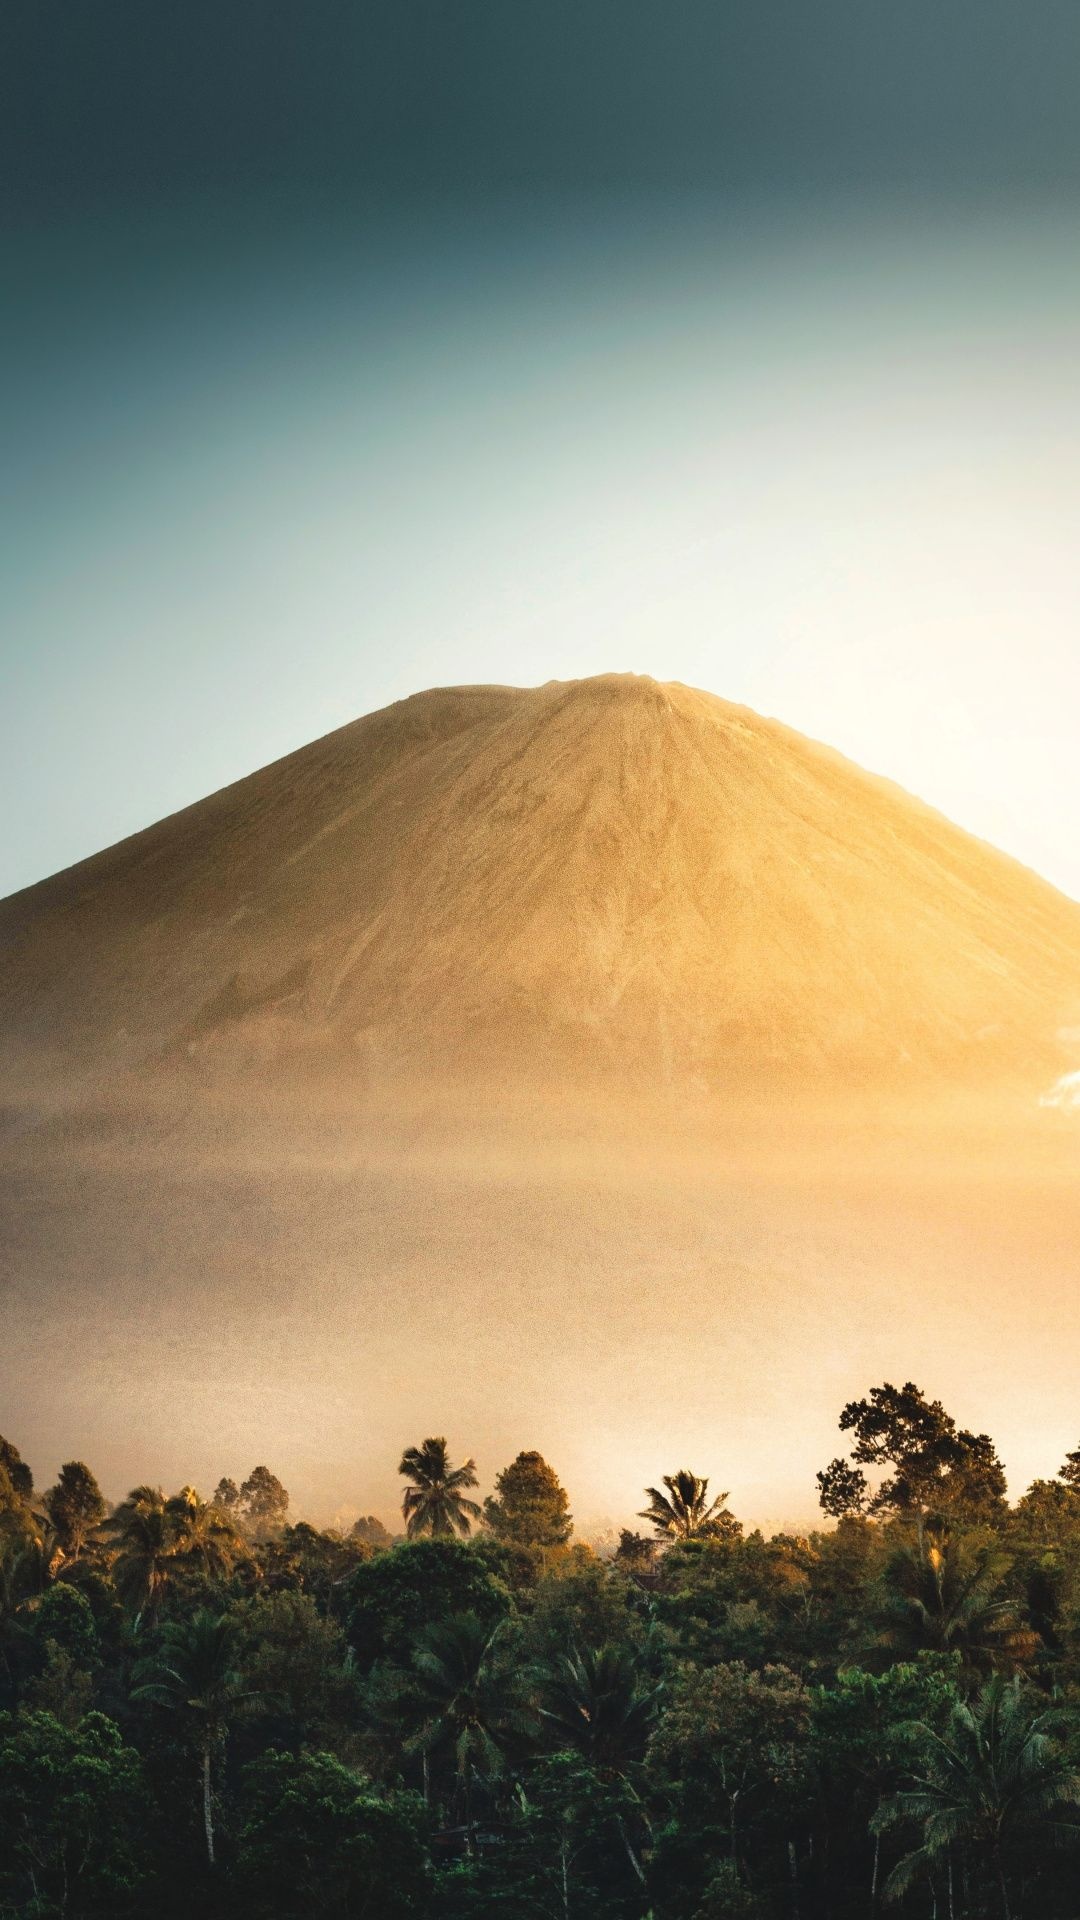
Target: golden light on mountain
{"points": [[608, 878], [590, 1067]]}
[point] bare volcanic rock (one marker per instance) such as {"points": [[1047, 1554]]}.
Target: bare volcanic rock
{"points": [[598, 881]]}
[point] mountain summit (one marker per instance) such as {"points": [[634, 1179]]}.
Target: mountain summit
{"points": [[605, 877]]}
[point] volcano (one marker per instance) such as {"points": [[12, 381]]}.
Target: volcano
{"points": [[597, 1067], [608, 881]]}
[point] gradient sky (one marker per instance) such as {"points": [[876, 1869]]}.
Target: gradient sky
{"points": [[353, 349]]}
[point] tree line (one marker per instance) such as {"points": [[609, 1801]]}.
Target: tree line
{"points": [[208, 1707]]}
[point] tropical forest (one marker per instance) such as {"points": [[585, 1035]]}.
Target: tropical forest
{"points": [[211, 1707]]}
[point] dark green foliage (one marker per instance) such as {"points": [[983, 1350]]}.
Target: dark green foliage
{"points": [[62, 1653], [583, 1603], [209, 1712], [470, 1700], [71, 1810], [990, 1790], [314, 1840], [193, 1671], [302, 1559], [64, 1617], [396, 1595], [602, 1704], [732, 1750], [298, 1664], [947, 1591]]}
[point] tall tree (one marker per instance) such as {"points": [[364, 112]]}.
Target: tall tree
{"points": [[469, 1694], [999, 1775], [731, 1757], [22, 1480], [1069, 1471], [435, 1503], [205, 1535], [263, 1503], [529, 1507], [685, 1512], [147, 1543], [195, 1672], [75, 1507], [932, 1466]]}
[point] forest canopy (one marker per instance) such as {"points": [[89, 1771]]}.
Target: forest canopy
{"points": [[209, 1706]]}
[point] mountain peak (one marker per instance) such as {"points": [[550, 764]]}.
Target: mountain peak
{"points": [[612, 879]]}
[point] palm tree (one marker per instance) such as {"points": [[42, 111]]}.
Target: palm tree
{"points": [[194, 1672], [435, 1503], [996, 1775], [603, 1704], [685, 1513], [469, 1698], [945, 1596], [146, 1536], [204, 1534]]}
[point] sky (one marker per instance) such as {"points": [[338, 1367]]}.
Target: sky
{"points": [[351, 353]]}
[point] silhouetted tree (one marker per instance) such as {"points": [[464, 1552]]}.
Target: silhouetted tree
{"points": [[685, 1512], [529, 1507], [147, 1543], [11, 1460], [842, 1489], [263, 1503], [75, 1507], [436, 1502], [935, 1466], [370, 1532]]}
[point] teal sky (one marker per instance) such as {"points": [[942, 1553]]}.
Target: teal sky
{"points": [[740, 357]]}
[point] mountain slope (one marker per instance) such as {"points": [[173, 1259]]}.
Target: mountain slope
{"points": [[601, 879]]}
